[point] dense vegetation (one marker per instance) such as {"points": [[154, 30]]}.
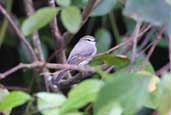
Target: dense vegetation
{"points": [[128, 76]]}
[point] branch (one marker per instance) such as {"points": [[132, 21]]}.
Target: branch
{"points": [[159, 36], [36, 41], [163, 69], [86, 12], [134, 39], [19, 33], [47, 65], [59, 41], [78, 77], [169, 44]]}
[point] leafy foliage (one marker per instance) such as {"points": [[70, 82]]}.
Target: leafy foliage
{"points": [[71, 18], [41, 18], [125, 90]]}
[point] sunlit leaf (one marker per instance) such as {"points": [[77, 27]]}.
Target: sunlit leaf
{"points": [[64, 3], [49, 103], [3, 93], [38, 20], [71, 18], [164, 95], [116, 60], [82, 94], [124, 92], [14, 99]]}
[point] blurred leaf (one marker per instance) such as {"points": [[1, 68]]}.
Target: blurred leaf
{"points": [[82, 94], [14, 99], [80, 3], [116, 60], [124, 92], [75, 113], [147, 67], [130, 24], [156, 12], [38, 20], [25, 55], [162, 43], [64, 3], [103, 7], [50, 103], [164, 95], [103, 40], [71, 18], [3, 93]]}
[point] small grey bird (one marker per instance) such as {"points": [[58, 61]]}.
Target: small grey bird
{"points": [[85, 48]]}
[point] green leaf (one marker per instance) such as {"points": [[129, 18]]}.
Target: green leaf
{"points": [[3, 93], [156, 12], [14, 99], [162, 43], [116, 60], [80, 3], [64, 3], [82, 94], [164, 95], [38, 20], [103, 7], [50, 103], [104, 39], [71, 18], [124, 92]]}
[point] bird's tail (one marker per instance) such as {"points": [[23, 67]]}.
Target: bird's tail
{"points": [[60, 76]]}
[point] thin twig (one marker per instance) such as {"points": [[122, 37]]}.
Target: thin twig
{"points": [[147, 38], [163, 69], [36, 40], [47, 65], [59, 41], [169, 45], [134, 38], [159, 36], [19, 33], [85, 15]]}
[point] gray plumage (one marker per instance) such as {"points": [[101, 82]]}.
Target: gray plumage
{"points": [[86, 47]]}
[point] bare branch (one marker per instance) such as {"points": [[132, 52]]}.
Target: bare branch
{"points": [[163, 69], [134, 38], [19, 33], [86, 12], [47, 65], [159, 36], [59, 41], [36, 40]]}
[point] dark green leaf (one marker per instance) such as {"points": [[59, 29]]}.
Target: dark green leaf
{"points": [[103, 7], [103, 39], [164, 95], [14, 99], [80, 3], [38, 20], [71, 18], [82, 94], [49, 103], [116, 60], [124, 92], [156, 12]]}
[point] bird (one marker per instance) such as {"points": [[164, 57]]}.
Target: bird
{"points": [[80, 55]]}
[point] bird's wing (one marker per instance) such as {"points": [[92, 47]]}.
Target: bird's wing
{"points": [[79, 53]]}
